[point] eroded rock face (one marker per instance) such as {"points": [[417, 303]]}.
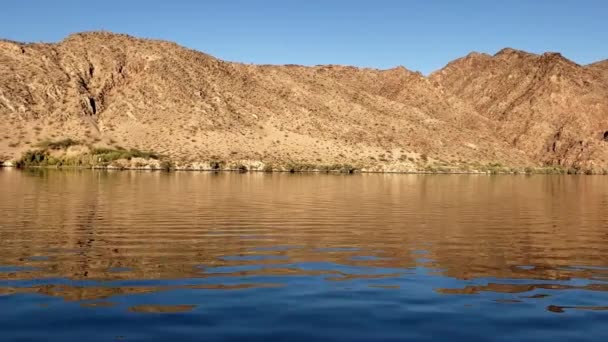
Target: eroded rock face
{"points": [[515, 108], [544, 105]]}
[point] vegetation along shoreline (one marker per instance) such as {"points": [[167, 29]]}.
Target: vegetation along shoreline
{"points": [[69, 153]]}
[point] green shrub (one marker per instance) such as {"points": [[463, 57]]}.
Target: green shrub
{"points": [[347, 168], [32, 158], [108, 155], [96, 157]]}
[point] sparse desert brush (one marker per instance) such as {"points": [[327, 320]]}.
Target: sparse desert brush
{"points": [[58, 145], [347, 168], [32, 158], [107, 155], [117, 165], [558, 170], [465, 168], [300, 167], [241, 167], [166, 165], [139, 164], [437, 169], [548, 170], [443, 169], [343, 168], [216, 164]]}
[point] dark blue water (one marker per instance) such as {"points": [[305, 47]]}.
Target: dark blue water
{"points": [[135, 256]]}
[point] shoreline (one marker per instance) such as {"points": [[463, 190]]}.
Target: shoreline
{"points": [[537, 171], [73, 154]]}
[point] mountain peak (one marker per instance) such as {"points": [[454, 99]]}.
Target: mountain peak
{"points": [[557, 58], [98, 34], [511, 52]]}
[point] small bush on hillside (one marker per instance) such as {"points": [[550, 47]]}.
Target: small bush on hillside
{"points": [[108, 155], [58, 145]]}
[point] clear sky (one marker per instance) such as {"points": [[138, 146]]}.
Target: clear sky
{"points": [[420, 35]]}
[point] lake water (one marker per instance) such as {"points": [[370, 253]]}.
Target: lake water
{"points": [[143, 256]]}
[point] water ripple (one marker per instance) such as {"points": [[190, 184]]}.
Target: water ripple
{"points": [[96, 255]]}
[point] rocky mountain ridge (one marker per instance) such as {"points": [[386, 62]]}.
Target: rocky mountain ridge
{"points": [[108, 90]]}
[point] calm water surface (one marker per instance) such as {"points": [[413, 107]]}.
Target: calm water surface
{"points": [[136, 256]]}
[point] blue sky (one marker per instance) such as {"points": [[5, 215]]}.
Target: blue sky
{"points": [[420, 35]]}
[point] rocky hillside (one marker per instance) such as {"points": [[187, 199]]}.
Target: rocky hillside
{"points": [[115, 91], [550, 108]]}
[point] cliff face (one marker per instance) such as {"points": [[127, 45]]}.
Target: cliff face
{"points": [[107, 89]]}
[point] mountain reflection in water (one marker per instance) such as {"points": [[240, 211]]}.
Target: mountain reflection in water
{"points": [[283, 253]]}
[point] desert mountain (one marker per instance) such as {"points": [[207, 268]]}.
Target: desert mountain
{"points": [[552, 109], [600, 67], [106, 89]]}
